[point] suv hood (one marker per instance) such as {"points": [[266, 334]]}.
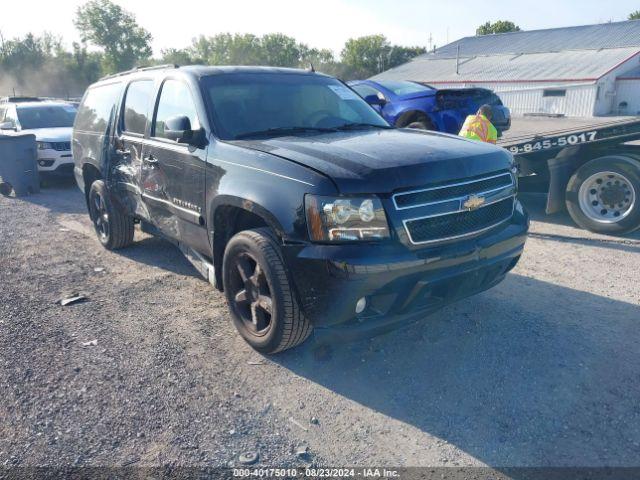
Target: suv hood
{"points": [[58, 134], [381, 161]]}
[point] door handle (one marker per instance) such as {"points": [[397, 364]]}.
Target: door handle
{"points": [[150, 160], [123, 151]]}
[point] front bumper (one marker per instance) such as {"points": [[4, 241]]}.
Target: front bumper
{"points": [[401, 285], [54, 162]]}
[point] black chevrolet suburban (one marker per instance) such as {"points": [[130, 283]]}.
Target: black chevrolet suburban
{"points": [[295, 198]]}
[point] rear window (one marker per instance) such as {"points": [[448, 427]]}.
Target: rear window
{"points": [[136, 106], [46, 116], [97, 108]]}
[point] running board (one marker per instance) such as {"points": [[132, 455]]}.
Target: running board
{"points": [[200, 263]]}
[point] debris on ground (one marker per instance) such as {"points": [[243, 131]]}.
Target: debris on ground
{"points": [[298, 424], [253, 362], [98, 269], [302, 451], [90, 343], [248, 458], [314, 421], [72, 299]]}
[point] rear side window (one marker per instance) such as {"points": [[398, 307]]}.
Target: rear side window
{"points": [[136, 106], [97, 108], [175, 100]]}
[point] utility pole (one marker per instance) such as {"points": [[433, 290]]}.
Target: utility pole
{"points": [[457, 59]]}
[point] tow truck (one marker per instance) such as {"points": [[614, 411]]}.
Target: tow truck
{"points": [[592, 169]]}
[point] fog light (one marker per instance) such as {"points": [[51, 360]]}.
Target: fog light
{"points": [[42, 163], [361, 305]]}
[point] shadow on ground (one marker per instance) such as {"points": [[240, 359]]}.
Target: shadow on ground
{"points": [[156, 252], [535, 204], [60, 195], [526, 374]]}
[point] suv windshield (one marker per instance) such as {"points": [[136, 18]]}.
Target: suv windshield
{"points": [[405, 88], [254, 104], [46, 116]]}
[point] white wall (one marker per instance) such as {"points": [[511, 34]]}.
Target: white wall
{"points": [[522, 98], [628, 91]]}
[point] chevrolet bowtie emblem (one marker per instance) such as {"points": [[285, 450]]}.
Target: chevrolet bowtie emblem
{"points": [[473, 202]]}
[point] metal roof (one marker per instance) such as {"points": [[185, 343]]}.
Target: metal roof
{"points": [[568, 65], [586, 37]]}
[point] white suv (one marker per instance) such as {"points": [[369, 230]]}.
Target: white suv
{"points": [[51, 122]]}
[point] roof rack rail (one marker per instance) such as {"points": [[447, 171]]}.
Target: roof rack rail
{"points": [[19, 99], [141, 69]]}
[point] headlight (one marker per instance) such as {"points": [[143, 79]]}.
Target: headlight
{"points": [[345, 219], [45, 146]]}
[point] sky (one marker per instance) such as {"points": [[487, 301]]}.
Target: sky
{"points": [[320, 24]]}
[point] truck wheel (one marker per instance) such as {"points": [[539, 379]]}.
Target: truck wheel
{"points": [[604, 195], [113, 226], [262, 304]]}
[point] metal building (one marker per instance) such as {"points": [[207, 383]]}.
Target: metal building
{"points": [[581, 71]]}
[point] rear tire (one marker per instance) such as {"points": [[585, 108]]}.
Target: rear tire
{"points": [[603, 195], [113, 226], [260, 298]]}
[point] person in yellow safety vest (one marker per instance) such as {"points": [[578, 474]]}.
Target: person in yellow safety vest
{"points": [[479, 126]]}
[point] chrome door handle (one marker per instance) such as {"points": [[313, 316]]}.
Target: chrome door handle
{"points": [[150, 160], [123, 151]]}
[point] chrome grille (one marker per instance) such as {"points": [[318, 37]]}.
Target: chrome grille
{"points": [[452, 191], [457, 209], [468, 222], [61, 146]]}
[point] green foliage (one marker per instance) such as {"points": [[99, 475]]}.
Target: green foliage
{"points": [[634, 15], [39, 65], [500, 26], [110, 27], [366, 56]]}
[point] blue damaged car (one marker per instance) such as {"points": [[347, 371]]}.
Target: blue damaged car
{"points": [[402, 103]]}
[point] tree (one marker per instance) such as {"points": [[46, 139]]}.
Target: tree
{"points": [[110, 27], [366, 56], [500, 26], [634, 15], [40, 65]]}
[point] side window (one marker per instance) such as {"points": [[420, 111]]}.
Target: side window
{"points": [[175, 99], [97, 108], [365, 90], [2, 110], [136, 106]]}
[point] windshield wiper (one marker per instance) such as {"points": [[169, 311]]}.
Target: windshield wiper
{"points": [[354, 126], [283, 131]]}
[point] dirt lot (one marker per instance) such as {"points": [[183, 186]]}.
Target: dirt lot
{"points": [[542, 370]]}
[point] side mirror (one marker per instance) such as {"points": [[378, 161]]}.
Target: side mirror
{"points": [[7, 126], [178, 128], [375, 100]]}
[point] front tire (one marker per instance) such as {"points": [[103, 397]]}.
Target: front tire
{"points": [[603, 195], [113, 226], [424, 124], [261, 301]]}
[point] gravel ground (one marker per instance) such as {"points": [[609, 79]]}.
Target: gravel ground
{"points": [[542, 370]]}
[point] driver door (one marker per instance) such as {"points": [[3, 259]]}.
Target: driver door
{"points": [[173, 174]]}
